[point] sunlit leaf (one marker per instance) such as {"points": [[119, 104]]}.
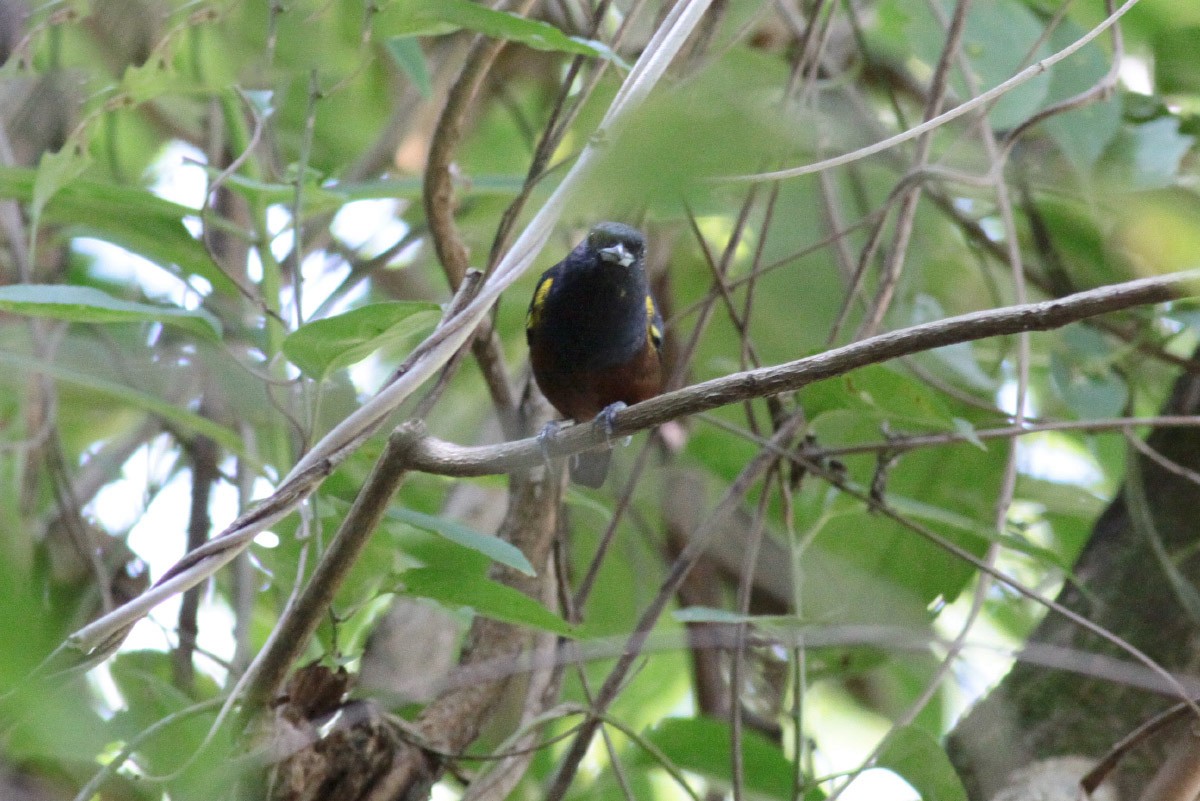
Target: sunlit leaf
{"points": [[130, 217], [84, 304], [432, 17], [54, 171], [914, 755], [703, 746], [322, 346]]}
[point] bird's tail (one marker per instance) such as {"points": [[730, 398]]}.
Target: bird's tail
{"points": [[590, 468]]}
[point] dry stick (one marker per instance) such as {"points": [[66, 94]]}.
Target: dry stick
{"points": [[447, 459], [626, 498], [470, 286], [906, 216], [902, 444], [683, 564], [245, 579], [976, 234], [1003, 502], [997, 158], [440, 56], [301, 619], [836, 236], [1170, 465], [980, 238], [876, 505], [739, 321], [746, 583], [10, 216], [1105, 766], [439, 211], [1179, 777], [306, 142], [295, 629], [1008, 486], [438, 191], [1025, 75], [82, 537], [360, 269], [556, 128], [205, 471], [130, 746], [453, 720], [679, 374]]}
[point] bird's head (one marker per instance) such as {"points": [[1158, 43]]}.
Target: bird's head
{"points": [[616, 243]]}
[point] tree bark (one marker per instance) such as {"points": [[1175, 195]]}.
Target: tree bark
{"points": [[1037, 713]]}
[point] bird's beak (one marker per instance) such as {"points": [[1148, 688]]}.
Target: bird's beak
{"points": [[617, 254]]}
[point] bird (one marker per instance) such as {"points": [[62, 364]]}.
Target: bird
{"points": [[595, 335]]}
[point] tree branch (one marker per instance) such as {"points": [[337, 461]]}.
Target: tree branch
{"points": [[435, 456]]}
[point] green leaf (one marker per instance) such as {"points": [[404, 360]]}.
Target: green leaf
{"points": [[1175, 60], [323, 346], [149, 80], [406, 52], [492, 547], [1148, 156], [967, 430], [315, 196], [131, 217], [702, 746], [1081, 133], [54, 171], [914, 755], [946, 518], [85, 304], [436, 17], [997, 43], [1094, 393], [178, 415], [488, 598]]}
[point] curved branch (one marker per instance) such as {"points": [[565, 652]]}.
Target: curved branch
{"points": [[435, 456]]}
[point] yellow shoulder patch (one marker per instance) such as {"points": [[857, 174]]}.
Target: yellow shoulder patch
{"points": [[652, 330], [539, 300]]}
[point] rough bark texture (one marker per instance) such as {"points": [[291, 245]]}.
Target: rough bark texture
{"points": [[1037, 712], [371, 757]]}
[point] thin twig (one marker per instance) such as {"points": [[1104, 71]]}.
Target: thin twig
{"points": [[906, 215], [1024, 76], [294, 629], [683, 564]]}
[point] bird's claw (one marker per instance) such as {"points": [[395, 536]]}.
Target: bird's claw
{"points": [[607, 419], [544, 438]]}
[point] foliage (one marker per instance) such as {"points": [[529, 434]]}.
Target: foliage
{"points": [[213, 233]]}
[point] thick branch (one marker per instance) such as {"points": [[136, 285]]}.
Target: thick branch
{"points": [[435, 456], [298, 623]]}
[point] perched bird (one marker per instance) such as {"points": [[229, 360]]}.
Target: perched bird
{"points": [[595, 335]]}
